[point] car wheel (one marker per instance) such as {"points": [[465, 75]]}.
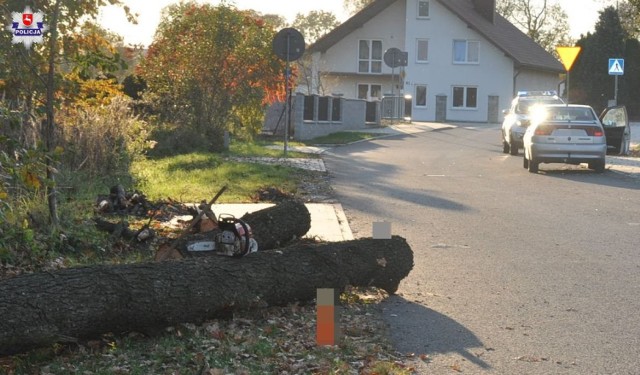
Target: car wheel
{"points": [[513, 149], [525, 162], [533, 166], [505, 147], [597, 166]]}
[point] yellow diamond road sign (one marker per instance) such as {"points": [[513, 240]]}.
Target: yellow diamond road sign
{"points": [[568, 55]]}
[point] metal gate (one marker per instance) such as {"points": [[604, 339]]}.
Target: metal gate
{"points": [[393, 107]]}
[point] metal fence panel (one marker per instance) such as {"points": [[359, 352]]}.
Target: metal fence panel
{"points": [[393, 107]]}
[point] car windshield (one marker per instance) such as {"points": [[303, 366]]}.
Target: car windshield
{"points": [[569, 114], [524, 105]]}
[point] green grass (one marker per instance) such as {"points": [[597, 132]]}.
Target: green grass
{"points": [[198, 176], [341, 138], [258, 148]]}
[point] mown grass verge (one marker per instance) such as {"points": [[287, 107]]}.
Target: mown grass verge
{"points": [[342, 138], [198, 176]]}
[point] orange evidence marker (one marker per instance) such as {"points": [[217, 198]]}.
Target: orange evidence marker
{"points": [[327, 316]]}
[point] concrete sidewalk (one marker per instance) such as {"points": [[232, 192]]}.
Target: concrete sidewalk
{"points": [[328, 221]]}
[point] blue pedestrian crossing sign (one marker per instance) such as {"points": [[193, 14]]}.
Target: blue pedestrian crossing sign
{"points": [[616, 67]]}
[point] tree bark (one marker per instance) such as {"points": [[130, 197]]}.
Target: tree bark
{"points": [[278, 225], [49, 131], [66, 305]]}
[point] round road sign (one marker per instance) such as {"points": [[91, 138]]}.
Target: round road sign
{"points": [[394, 58], [288, 44]]}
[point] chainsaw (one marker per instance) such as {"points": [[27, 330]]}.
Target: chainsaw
{"points": [[235, 239]]}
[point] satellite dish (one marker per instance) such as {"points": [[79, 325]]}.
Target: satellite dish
{"points": [[288, 44]]}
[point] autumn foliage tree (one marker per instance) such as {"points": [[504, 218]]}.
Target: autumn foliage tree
{"points": [[211, 69], [315, 24], [31, 83], [543, 21], [354, 6]]}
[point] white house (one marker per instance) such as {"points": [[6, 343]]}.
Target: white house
{"points": [[465, 61]]}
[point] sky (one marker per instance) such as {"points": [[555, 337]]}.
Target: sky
{"points": [[582, 14]]}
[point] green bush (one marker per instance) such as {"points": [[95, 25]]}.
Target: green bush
{"points": [[171, 140]]}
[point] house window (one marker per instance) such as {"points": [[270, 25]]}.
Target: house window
{"points": [[368, 92], [421, 95], [370, 56], [323, 108], [309, 108], [466, 51], [465, 97], [423, 9], [336, 114], [422, 47]]}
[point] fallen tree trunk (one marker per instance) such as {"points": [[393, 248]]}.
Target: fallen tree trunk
{"points": [[70, 304]]}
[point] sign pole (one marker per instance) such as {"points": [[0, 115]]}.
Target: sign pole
{"points": [[394, 58], [287, 106], [288, 45], [568, 75], [615, 92], [393, 93], [616, 68], [393, 80]]}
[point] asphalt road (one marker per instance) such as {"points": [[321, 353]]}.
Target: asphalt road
{"points": [[515, 273]]}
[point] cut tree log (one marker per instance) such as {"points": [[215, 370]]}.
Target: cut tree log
{"points": [[278, 225], [272, 227], [79, 303]]}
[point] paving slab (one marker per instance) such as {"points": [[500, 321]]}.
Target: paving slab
{"points": [[302, 149]]}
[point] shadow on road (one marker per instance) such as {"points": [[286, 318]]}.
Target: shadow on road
{"points": [[379, 178], [429, 332], [586, 176]]}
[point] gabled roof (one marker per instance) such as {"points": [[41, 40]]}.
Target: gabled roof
{"points": [[348, 26], [503, 34]]}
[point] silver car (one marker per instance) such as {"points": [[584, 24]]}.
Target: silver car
{"points": [[516, 119], [569, 133]]}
